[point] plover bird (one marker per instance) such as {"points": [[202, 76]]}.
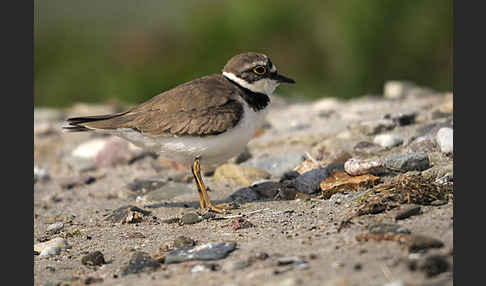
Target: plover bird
{"points": [[203, 122]]}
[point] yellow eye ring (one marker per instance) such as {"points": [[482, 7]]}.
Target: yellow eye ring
{"points": [[259, 70]]}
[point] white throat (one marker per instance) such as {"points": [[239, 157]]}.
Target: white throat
{"points": [[266, 86]]}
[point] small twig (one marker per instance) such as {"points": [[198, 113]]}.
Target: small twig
{"points": [[386, 272], [312, 158], [242, 215]]}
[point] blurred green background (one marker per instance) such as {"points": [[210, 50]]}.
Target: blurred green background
{"points": [[128, 50]]}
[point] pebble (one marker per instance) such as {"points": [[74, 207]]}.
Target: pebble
{"points": [[425, 143], [355, 167], [396, 283], [445, 140], [40, 174], [267, 189], [116, 151], [290, 260], [405, 211], [57, 241], [207, 267], [274, 190], [388, 140], [439, 203], [244, 195], [242, 157], [76, 181], [418, 161], [190, 218], [94, 258], [433, 265], [240, 223], [127, 214], [89, 149], [55, 227], [51, 248], [402, 119], [102, 152], [446, 179], [49, 251], [290, 175], [139, 262], [387, 228], [290, 281], [242, 175], [309, 182], [438, 171], [417, 243], [208, 251], [395, 89]]}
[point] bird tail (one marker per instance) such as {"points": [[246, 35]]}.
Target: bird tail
{"points": [[80, 124]]}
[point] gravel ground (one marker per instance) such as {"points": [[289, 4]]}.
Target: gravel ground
{"points": [[107, 213]]}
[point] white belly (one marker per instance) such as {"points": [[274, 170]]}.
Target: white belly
{"points": [[212, 150]]}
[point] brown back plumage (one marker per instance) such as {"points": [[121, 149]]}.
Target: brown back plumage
{"points": [[205, 106]]}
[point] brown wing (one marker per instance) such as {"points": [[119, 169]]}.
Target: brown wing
{"points": [[206, 106]]}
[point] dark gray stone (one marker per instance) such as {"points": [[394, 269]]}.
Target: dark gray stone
{"points": [[407, 162], [289, 175], [406, 211], [266, 189], [94, 258], [244, 195], [140, 262], [208, 251], [309, 182], [402, 119], [421, 242], [434, 265]]}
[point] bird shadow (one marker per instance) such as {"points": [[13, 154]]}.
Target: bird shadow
{"points": [[262, 192]]}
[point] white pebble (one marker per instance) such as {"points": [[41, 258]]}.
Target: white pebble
{"points": [[55, 242], [89, 149], [388, 140], [396, 283], [49, 251], [57, 226], [445, 140], [40, 173], [396, 89]]}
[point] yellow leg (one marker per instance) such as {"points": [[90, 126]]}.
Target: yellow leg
{"points": [[201, 189]]}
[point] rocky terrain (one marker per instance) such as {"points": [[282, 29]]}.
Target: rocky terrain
{"points": [[328, 192]]}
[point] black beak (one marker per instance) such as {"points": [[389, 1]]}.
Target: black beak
{"points": [[280, 78]]}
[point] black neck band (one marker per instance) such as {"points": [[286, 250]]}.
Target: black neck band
{"points": [[256, 100]]}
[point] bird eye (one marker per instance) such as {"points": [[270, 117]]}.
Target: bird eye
{"points": [[259, 70]]}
